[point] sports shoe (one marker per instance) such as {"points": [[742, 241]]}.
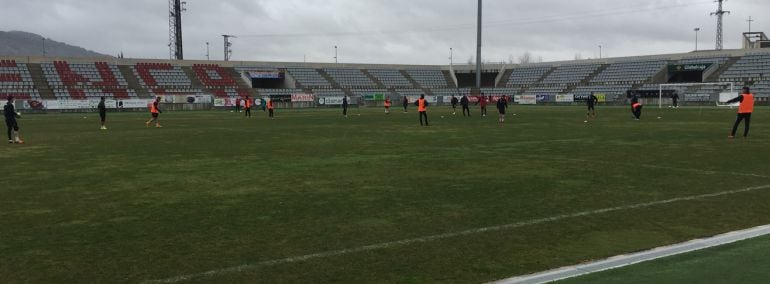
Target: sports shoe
{"points": [[731, 137], [103, 128], [147, 124], [10, 141], [158, 126]]}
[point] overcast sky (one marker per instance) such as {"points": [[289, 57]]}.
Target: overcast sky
{"points": [[387, 31]]}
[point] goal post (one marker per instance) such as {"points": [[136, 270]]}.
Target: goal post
{"points": [[663, 86]]}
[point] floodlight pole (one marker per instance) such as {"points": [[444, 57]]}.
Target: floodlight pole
{"points": [[478, 49], [335, 55], [207, 51], [696, 38]]}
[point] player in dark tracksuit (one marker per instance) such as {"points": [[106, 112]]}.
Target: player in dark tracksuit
{"points": [[345, 106], [591, 103], [405, 102], [10, 121], [464, 102], [675, 100], [454, 105], [102, 113], [502, 104]]}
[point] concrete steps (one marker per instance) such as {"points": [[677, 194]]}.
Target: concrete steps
{"points": [[36, 71], [133, 81]]}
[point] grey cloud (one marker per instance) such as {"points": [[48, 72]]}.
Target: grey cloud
{"points": [[385, 31]]}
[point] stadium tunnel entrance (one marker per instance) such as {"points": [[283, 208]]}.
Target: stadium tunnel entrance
{"points": [[688, 73]]}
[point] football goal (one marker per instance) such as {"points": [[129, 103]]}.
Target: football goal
{"points": [[663, 87]]}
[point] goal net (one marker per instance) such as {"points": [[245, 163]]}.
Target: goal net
{"points": [[700, 92]]}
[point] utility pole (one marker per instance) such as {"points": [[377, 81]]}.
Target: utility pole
{"points": [[749, 20], [43, 46], [335, 55], [451, 57], [478, 49], [207, 51], [719, 13], [600, 51], [228, 46]]}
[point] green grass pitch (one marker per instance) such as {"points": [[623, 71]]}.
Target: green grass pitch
{"points": [[312, 196]]}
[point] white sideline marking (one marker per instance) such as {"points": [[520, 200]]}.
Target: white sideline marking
{"points": [[626, 260], [405, 242]]}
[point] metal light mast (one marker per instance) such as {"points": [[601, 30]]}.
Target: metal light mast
{"points": [[175, 9], [719, 13], [478, 50], [228, 46]]}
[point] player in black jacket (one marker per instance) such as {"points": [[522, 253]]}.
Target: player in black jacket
{"points": [[102, 113], [10, 121], [464, 102]]}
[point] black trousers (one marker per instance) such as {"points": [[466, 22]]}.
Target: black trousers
{"points": [[345, 110], [247, 112], [424, 114], [742, 116], [103, 116], [466, 108], [405, 106], [12, 126], [483, 110], [270, 111], [637, 112]]}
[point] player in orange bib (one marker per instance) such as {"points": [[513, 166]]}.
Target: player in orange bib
{"points": [[387, 105], [154, 112], [247, 106], [270, 108], [422, 108], [744, 111]]}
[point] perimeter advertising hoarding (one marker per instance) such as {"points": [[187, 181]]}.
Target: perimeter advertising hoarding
{"points": [[92, 104], [569, 98], [302, 97], [525, 99]]}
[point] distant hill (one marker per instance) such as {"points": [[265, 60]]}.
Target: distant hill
{"points": [[17, 43]]}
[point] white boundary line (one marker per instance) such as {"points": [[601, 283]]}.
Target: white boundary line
{"points": [[636, 258], [425, 239]]}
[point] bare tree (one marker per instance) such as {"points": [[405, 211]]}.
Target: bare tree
{"points": [[540, 59], [525, 58]]}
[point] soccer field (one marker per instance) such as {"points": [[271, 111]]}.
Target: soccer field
{"points": [[314, 197]]}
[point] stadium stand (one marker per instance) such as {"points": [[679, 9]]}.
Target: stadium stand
{"points": [[753, 67], [526, 76], [329, 93], [429, 78], [16, 81], [279, 92], [214, 76], [350, 78], [309, 78], [83, 81], [391, 78], [570, 74], [602, 89], [633, 72], [161, 75]]}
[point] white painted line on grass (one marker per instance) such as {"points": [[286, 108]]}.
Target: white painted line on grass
{"points": [[406, 242], [626, 260]]}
